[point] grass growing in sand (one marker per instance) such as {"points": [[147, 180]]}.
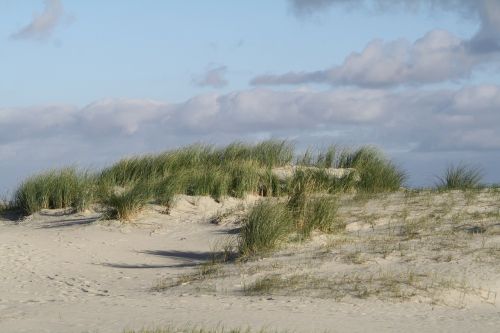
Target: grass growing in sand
{"points": [[266, 225], [382, 285], [271, 222], [126, 204], [460, 177], [234, 170], [55, 189]]}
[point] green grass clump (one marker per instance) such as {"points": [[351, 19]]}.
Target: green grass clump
{"points": [[245, 177], [124, 204], [272, 153], [234, 170], [373, 171], [212, 181], [311, 206], [269, 153], [460, 177], [376, 173], [165, 190], [55, 189], [308, 208], [321, 214], [267, 224]]}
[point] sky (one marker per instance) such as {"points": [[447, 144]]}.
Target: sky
{"points": [[85, 83]]}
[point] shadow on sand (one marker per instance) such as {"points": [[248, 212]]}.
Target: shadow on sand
{"points": [[68, 223], [185, 258]]}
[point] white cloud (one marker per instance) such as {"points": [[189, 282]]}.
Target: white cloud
{"points": [[439, 56], [411, 120], [409, 114], [43, 24], [111, 117]]}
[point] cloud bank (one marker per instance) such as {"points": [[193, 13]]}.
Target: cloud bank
{"points": [[426, 120], [439, 56], [413, 120], [43, 24]]}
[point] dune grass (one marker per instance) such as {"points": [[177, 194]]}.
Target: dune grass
{"points": [[235, 170], [56, 189], [309, 203], [376, 172], [125, 204], [460, 177], [269, 154], [267, 224], [6, 206], [270, 223], [308, 207]]}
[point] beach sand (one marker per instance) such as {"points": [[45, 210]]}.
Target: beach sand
{"points": [[407, 262]]}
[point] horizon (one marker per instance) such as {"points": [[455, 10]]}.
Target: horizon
{"points": [[88, 83]]}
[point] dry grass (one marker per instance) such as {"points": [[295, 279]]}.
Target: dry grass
{"points": [[203, 272], [383, 285], [414, 247]]}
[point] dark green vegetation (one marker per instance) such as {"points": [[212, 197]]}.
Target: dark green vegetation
{"points": [[460, 177], [235, 170], [56, 189], [308, 207]]}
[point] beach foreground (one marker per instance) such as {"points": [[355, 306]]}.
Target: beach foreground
{"points": [[408, 261]]}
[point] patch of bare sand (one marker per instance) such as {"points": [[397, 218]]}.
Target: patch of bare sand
{"points": [[409, 261]]}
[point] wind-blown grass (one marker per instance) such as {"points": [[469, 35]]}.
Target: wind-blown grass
{"points": [[308, 207], [269, 153], [55, 189], [460, 177], [376, 173], [126, 204], [234, 170], [266, 225]]}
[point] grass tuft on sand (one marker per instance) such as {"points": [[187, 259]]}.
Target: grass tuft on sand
{"points": [[267, 224], [235, 170], [460, 177], [56, 189], [272, 221]]}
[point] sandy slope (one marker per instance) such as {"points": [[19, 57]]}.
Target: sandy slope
{"points": [[67, 273]]}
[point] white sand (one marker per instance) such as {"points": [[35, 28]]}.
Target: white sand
{"points": [[63, 273]]}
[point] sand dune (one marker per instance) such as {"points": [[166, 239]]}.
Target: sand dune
{"points": [[408, 262]]}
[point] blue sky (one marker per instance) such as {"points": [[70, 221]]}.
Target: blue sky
{"points": [[86, 82]]}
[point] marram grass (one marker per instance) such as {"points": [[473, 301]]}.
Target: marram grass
{"points": [[460, 177], [307, 208], [127, 203], [235, 170], [267, 225], [56, 189]]}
